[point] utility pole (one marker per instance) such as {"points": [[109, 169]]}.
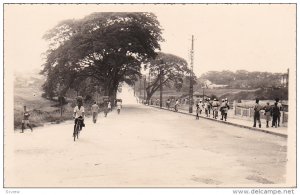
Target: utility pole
{"points": [[134, 89], [161, 86], [144, 87], [191, 78], [140, 92], [287, 78], [61, 105]]}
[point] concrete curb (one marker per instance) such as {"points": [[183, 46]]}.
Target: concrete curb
{"points": [[226, 122]]}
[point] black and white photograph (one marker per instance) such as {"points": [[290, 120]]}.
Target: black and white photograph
{"points": [[150, 95]]}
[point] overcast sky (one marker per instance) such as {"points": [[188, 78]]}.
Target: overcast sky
{"points": [[227, 37]]}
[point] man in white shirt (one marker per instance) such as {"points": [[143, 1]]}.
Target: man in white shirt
{"points": [[79, 112], [95, 109]]}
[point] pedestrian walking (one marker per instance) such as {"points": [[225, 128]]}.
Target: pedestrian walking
{"points": [[168, 102], [275, 113], [215, 108], [176, 105], [224, 109], [200, 104], [280, 109], [105, 109], [119, 106], [197, 111], [25, 120], [257, 109], [95, 110], [109, 106], [209, 106], [267, 113], [206, 107]]}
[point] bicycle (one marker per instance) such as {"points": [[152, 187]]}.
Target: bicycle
{"points": [[77, 128]]}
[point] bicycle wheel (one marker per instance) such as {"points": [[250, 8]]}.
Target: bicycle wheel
{"points": [[75, 132]]}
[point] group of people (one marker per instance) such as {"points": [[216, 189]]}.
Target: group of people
{"points": [[78, 112], [271, 111], [213, 106]]}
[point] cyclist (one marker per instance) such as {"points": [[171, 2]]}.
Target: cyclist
{"points": [[79, 113]]}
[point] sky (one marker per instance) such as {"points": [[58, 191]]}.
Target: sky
{"points": [[253, 37]]}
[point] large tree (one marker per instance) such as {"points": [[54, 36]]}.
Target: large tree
{"points": [[107, 47], [165, 69]]}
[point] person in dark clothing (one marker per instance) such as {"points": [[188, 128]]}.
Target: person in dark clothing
{"points": [[257, 109], [280, 109], [275, 113]]}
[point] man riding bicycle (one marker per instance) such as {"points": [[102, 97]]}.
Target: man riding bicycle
{"points": [[79, 112]]}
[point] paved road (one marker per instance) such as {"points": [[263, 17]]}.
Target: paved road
{"points": [[145, 147]]}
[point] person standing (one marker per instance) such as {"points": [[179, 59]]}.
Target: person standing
{"points": [[209, 106], [168, 102], [215, 107], [109, 106], [200, 106], [119, 106], [257, 109], [225, 109], [105, 108], [95, 110], [267, 109], [275, 113], [206, 107], [25, 120], [280, 109], [176, 105], [197, 111]]}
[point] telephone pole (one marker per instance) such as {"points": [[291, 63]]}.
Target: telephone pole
{"points": [[161, 86], [191, 78]]}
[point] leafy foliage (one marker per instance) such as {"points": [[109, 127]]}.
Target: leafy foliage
{"points": [[105, 48], [243, 78], [167, 69]]}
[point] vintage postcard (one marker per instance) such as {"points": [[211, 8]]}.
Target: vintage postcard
{"points": [[150, 95]]}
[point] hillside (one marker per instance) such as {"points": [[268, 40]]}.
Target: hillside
{"points": [[28, 92]]}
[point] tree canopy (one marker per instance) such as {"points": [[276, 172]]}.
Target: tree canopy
{"points": [[168, 69], [106, 47], [243, 78]]}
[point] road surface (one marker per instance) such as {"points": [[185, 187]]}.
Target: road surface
{"points": [[144, 147]]}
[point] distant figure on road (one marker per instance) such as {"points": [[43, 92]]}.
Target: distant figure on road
{"points": [[168, 102], [268, 109], [25, 120], [95, 110], [209, 105], [105, 109], [206, 107], [119, 106], [257, 109], [79, 112], [200, 104], [109, 106], [197, 111], [280, 108], [176, 105], [275, 113]]}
